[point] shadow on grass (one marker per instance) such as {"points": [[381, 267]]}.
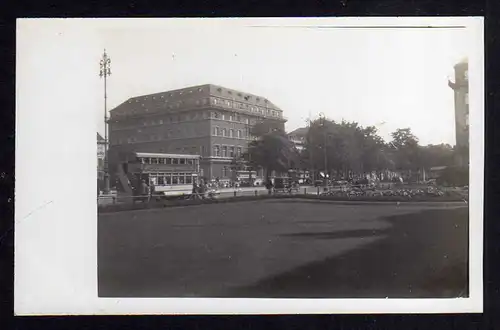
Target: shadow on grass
{"points": [[424, 255]]}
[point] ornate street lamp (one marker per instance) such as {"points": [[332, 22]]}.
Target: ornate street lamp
{"points": [[105, 71]]}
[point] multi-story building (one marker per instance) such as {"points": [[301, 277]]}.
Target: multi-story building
{"points": [[101, 145], [298, 137], [461, 90], [208, 120]]}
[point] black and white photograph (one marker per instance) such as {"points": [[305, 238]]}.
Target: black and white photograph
{"points": [[250, 165]]}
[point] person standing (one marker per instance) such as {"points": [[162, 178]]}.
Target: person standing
{"points": [[144, 191]]}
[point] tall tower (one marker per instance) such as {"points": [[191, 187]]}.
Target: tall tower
{"points": [[461, 90]]}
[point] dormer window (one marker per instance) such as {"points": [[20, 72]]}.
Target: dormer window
{"points": [[239, 94], [230, 93], [219, 90]]}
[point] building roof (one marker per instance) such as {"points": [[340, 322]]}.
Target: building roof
{"points": [[302, 131], [187, 97]]}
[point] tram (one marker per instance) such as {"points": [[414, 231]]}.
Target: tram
{"points": [[171, 175]]}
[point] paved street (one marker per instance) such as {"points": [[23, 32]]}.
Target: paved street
{"points": [[285, 248]]}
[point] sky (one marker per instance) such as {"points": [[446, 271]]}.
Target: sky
{"points": [[391, 78]]}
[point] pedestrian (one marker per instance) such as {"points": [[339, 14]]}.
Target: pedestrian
{"points": [[144, 190], [151, 190]]}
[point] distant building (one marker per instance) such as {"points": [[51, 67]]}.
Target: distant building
{"points": [[207, 120], [101, 147], [461, 89], [298, 137]]}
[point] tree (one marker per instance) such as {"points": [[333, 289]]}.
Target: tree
{"points": [[237, 164], [406, 150], [272, 150]]}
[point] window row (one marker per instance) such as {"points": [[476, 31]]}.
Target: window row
{"points": [[247, 107], [232, 133], [171, 178], [227, 151], [165, 161]]}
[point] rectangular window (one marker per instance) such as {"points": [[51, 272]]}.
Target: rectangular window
{"points": [[175, 178], [154, 161], [161, 180], [168, 178], [238, 151], [216, 151], [181, 178], [175, 161], [216, 131], [231, 152], [239, 134], [224, 151], [189, 179], [224, 171], [224, 132], [190, 161], [182, 161], [231, 133]]}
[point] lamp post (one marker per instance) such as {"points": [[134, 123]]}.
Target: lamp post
{"points": [[323, 120], [105, 71]]}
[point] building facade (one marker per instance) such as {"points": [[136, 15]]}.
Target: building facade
{"points": [[461, 91], [298, 137], [101, 147], [208, 120]]}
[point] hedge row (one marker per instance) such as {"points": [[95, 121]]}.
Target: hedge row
{"points": [[361, 199]]}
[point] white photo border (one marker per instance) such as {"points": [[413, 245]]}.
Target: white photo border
{"points": [[56, 223]]}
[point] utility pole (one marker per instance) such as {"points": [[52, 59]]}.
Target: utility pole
{"points": [[105, 71]]}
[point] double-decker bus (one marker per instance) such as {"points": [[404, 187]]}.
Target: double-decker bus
{"points": [[172, 175]]}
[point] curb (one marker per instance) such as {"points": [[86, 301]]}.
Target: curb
{"points": [[352, 201]]}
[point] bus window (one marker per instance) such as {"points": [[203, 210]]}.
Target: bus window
{"points": [[168, 178], [175, 161], [182, 161], [175, 178], [161, 161], [161, 179], [181, 178], [190, 162], [189, 179], [154, 160], [168, 161]]}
